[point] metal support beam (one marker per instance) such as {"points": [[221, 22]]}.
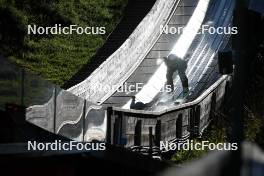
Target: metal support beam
{"points": [[138, 131], [150, 142], [158, 133], [238, 88], [109, 125]]}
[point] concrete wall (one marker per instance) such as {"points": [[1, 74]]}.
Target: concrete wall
{"points": [[74, 117], [121, 64], [42, 115]]}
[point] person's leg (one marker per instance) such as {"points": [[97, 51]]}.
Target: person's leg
{"points": [[184, 81], [169, 78]]}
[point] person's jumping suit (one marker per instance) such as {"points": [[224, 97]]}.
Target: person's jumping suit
{"points": [[174, 64]]}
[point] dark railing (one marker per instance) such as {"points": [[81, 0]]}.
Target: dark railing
{"points": [[142, 130]]}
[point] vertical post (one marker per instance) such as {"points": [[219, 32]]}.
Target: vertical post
{"points": [[197, 120], [179, 127], [227, 91], [117, 130], [213, 106], [192, 119], [109, 125], [123, 129], [55, 109], [115, 137], [238, 89], [120, 128], [158, 133], [239, 75], [84, 124], [138, 130], [150, 141]]}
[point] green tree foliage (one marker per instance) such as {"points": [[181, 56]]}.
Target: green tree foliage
{"points": [[55, 57]]}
